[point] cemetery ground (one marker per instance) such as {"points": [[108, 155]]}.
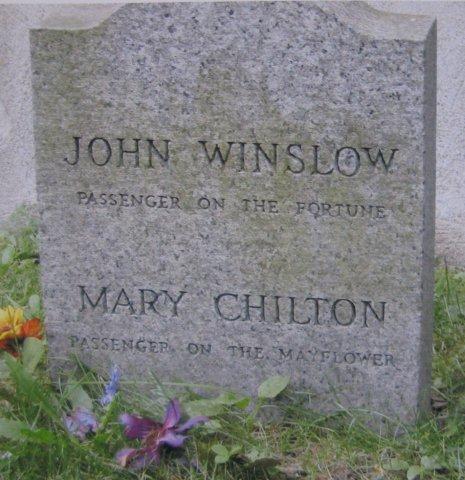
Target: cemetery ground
{"points": [[236, 443]]}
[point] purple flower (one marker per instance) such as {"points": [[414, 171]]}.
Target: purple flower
{"points": [[80, 422], [154, 436], [111, 387]]}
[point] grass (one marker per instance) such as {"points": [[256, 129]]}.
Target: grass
{"points": [[237, 444]]}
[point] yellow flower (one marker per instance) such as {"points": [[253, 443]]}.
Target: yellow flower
{"points": [[11, 321]]}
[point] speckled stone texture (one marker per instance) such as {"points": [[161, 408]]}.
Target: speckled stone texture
{"points": [[276, 214]]}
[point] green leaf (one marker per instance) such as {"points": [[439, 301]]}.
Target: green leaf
{"points": [[272, 387], [235, 449], [207, 407], [257, 458], [34, 304], [228, 398], [220, 449], [219, 459], [12, 429], [232, 400], [32, 352], [438, 383], [77, 395], [16, 430], [213, 426], [211, 407], [8, 254], [414, 472], [222, 453], [40, 435], [243, 403], [395, 465], [431, 463]]}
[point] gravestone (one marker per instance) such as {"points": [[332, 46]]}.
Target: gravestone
{"points": [[231, 191]]}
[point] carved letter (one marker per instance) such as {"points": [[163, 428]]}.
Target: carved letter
{"points": [[107, 148], [316, 301], [285, 355], [127, 303], [352, 311], [150, 303], [260, 307], [76, 152], [174, 301], [315, 162], [380, 157], [301, 167], [152, 148], [102, 297], [271, 161], [216, 152], [367, 305], [122, 152], [217, 306], [348, 160]]}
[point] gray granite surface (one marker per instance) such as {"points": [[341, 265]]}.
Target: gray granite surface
{"points": [[230, 191]]}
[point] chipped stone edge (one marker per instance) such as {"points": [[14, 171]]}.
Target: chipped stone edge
{"points": [[75, 16], [368, 21]]}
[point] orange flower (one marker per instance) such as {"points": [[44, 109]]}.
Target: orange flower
{"points": [[14, 329], [32, 328], [11, 321]]}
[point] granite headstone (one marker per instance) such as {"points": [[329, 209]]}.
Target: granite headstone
{"points": [[230, 191]]}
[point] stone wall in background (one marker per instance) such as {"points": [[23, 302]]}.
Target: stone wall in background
{"points": [[450, 144], [17, 184], [16, 148]]}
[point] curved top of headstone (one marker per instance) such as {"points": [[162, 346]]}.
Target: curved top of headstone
{"points": [[377, 24], [356, 15]]}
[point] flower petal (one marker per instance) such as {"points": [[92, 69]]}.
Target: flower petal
{"points": [[11, 320], [17, 314], [137, 458], [71, 425], [124, 456], [111, 387], [137, 427], [81, 422], [171, 439], [32, 328], [86, 418], [173, 414], [144, 459], [191, 423]]}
